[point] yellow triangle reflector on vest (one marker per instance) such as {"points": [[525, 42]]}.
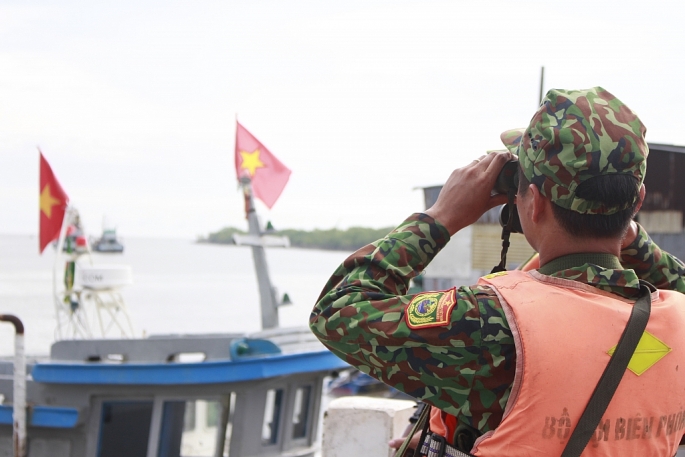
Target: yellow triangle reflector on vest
{"points": [[648, 352]]}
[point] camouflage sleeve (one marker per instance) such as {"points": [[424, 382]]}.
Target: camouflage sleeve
{"points": [[653, 265], [464, 367]]}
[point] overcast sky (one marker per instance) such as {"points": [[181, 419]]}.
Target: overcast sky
{"points": [[134, 103]]}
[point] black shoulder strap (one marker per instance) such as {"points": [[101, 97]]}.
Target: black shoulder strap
{"points": [[612, 375]]}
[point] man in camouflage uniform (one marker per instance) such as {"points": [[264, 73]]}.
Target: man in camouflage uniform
{"points": [[464, 363]]}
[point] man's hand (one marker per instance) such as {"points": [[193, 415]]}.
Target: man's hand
{"points": [[633, 229], [466, 194], [395, 443]]}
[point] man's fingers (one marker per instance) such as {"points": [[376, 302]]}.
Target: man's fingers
{"points": [[498, 159], [413, 443], [479, 159], [396, 443], [466, 194], [495, 159]]}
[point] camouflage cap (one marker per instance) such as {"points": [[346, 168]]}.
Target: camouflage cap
{"points": [[576, 135]]}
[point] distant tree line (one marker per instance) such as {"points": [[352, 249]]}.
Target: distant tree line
{"points": [[332, 239]]}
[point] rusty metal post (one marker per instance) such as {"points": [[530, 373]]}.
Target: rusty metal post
{"points": [[19, 401]]}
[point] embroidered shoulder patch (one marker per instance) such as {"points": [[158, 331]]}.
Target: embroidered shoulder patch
{"points": [[431, 309]]}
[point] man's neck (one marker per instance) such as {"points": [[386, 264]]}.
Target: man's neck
{"points": [[608, 261], [553, 247]]}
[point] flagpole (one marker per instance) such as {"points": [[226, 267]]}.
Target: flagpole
{"points": [[261, 167], [267, 293]]}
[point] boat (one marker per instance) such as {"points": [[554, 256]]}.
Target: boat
{"points": [[103, 392], [108, 242], [353, 382]]}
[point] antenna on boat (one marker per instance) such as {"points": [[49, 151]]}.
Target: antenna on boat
{"points": [[72, 321], [256, 239], [91, 301]]}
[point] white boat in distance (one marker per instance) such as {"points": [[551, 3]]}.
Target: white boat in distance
{"points": [[108, 242]]}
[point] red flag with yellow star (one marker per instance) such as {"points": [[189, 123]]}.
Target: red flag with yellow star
{"points": [[269, 176], [53, 204]]}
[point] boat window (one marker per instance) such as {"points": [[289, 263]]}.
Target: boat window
{"points": [[189, 416], [301, 411], [213, 413], [124, 428], [187, 357], [195, 428], [111, 358], [117, 358], [272, 415]]}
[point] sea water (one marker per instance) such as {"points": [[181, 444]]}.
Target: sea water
{"points": [[179, 286]]}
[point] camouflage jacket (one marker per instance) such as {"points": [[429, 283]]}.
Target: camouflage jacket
{"points": [[466, 367]]}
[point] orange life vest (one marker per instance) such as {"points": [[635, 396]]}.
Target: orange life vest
{"points": [[443, 424], [564, 331]]}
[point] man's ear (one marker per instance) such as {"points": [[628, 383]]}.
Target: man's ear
{"points": [[539, 202]]}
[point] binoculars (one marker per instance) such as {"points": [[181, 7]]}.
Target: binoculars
{"points": [[508, 178], [508, 182]]}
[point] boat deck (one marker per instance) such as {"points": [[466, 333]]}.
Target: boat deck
{"points": [[185, 395]]}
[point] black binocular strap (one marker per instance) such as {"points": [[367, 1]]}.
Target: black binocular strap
{"points": [[421, 424], [506, 233]]}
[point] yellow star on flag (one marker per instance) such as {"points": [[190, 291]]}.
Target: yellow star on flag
{"points": [[47, 201], [648, 352], [251, 161]]}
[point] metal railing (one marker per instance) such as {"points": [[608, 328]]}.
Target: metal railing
{"points": [[19, 400]]}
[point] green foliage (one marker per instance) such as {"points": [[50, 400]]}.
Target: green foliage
{"points": [[223, 236], [335, 239], [331, 239]]}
